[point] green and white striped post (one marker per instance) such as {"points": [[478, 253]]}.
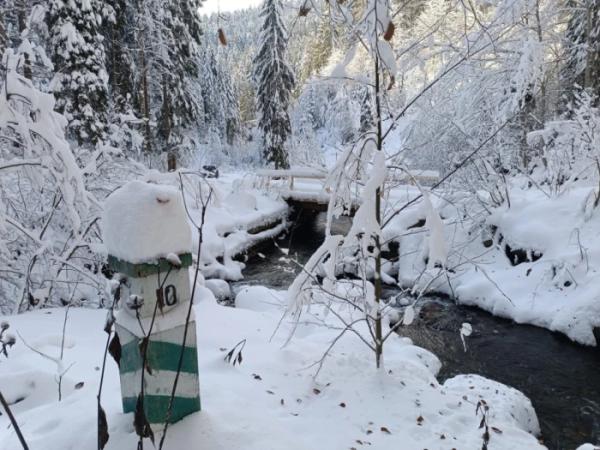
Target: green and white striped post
{"points": [[164, 345], [155, 300]]}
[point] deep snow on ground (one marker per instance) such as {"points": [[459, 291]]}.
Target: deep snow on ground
{"points": [[271, 401], [559, 291]]}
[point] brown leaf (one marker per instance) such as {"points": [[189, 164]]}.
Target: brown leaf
{"points": [[222, 38], [103, 435], [389, 32], [303, 12], [160, 299], [316, 391], [343, 405], [140, 421], [79, 385], [496, 430], [256, 376], [392, 83], [385, 430], [114, 348]]}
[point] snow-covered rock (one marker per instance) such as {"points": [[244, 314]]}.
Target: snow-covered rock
{"points": [[219, 288]]}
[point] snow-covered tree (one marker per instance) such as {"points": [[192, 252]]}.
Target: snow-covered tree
{"points": [[582, 47], [274, 82], [221, 108], [46, 211], [118, 42], [80, 81], [179, 57]]}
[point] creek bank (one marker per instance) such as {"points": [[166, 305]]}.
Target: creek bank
{"points": [[529, 358]]}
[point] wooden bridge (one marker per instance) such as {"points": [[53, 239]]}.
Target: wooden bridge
{"points": [[305, 187]]}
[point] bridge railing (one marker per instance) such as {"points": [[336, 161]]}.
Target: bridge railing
{"points": [[411, 177], [292, 174]]}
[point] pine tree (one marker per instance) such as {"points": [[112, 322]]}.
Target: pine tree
{"points": [[3, 34], [320, 49], [274, 80], [221, 109], [179, 58], [80, 82], [582, 47], [118, 40]]}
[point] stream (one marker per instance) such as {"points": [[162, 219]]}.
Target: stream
{"points": [[561, 378]]}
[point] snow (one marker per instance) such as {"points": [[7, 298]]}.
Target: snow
{"points": [[271, 400], [558, 291], [143, 222], [219, 288], [256, 298]]}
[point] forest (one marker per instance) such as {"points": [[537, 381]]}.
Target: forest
{"points": [[307, 224]]}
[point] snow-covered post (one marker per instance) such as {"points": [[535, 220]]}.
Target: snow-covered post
{"points": [[148, 239]]}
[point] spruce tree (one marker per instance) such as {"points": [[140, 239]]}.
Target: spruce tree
{"points": [[274, 80], [221, 109], [582, 48], [118, 40], [179, 63], [3, 34], [80, 82]]}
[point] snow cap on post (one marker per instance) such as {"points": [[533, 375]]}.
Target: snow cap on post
{"points": [[145, 222]]}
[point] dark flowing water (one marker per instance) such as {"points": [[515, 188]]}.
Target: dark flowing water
{"points": [[561, 378]]}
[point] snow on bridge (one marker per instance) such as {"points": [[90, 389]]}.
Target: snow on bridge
{"points": [[306, 187]]}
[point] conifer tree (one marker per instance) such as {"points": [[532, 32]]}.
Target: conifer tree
{"points": [[221, 109], [80, 81], [274, 80], [3, 34], [178, 61], [118, 40], [582, 47]]}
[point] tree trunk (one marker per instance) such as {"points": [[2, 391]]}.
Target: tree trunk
{"points": [[145, 101], [22, 22], [378, 286]]}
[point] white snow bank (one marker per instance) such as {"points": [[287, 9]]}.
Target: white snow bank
{"points": [[558, 291], [269, 402], [507, 405], [143, 222], [257, 298]]}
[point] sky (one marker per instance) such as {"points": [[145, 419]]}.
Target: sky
{"points": [[211, 6]]}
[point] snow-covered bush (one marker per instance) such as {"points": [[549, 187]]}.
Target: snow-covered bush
{"points": [[48, 202], [570, 148]]}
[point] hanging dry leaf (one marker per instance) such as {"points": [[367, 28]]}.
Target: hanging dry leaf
{"points": [[103, 435], [222, 38], [140, 421], [392, 83], [114, 348], [389, 31]]}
